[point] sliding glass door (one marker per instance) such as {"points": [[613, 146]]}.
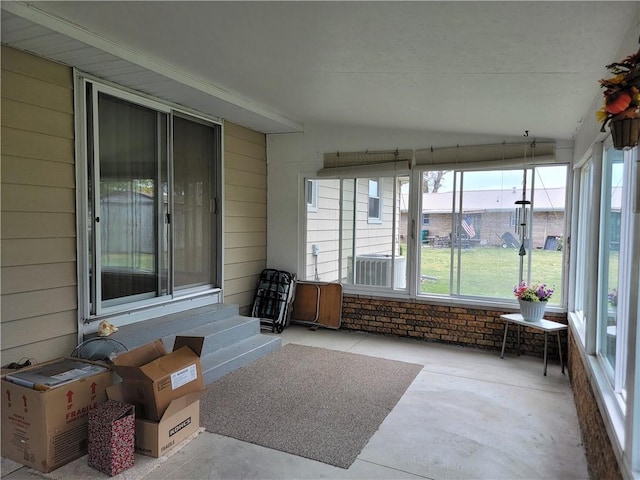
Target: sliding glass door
{"points": [[152, 185], [193, 153]]}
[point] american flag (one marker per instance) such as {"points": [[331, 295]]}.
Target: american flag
{"points": [[467, 225]]}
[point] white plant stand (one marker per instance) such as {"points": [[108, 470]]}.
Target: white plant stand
{"points": [[543, 325]]}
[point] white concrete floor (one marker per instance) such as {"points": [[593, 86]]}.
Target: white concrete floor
{"points": [[467, 415]]}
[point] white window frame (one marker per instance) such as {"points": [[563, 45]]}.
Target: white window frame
{"points": [[378, 218], [413, 236], [581, 250], [311, 193], [358, 240], [615, 374], [148, 308], [109, 307], [617, 395], [458, 190]]}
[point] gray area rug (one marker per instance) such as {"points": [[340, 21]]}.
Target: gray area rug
{"points": [[312, 402]]}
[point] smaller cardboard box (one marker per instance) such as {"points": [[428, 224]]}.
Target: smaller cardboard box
{"points": [[153, 378], [180, 420], [112, 429], [45, 414]]}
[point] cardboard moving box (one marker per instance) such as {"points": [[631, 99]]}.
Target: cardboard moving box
{"points": [[46, 428], [153, 378], [180, 420]]}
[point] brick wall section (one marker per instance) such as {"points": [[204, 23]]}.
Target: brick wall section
{"points": [[601, 459], [455, 325]]}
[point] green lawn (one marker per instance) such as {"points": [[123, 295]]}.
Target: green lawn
{"points": [[142, 261], [487, 271]]}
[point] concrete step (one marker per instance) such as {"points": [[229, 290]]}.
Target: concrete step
{"points": [[231, 340], [220, 333], [217, 364], [136, 334]]}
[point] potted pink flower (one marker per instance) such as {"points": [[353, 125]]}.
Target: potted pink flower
{"points": [[533, 298]]}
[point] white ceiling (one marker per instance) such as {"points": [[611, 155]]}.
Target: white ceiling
{"points": [[475, 67]]}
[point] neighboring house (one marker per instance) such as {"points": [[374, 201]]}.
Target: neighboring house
{"points": [[490, 217], [493, 215]]}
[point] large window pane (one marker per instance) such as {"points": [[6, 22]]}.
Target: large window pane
{"points": [[435, 237], [129, 198], [474, 238], [376, 258], [581, 243], [323, 231], [194, 153], [547, 227], [343, 244], [613, 183], [487, 246], [480, 242]]}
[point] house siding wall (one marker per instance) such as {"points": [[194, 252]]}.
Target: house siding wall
{"points": [[38, 239], [323, 229], [372, 237], [245, 207]]}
